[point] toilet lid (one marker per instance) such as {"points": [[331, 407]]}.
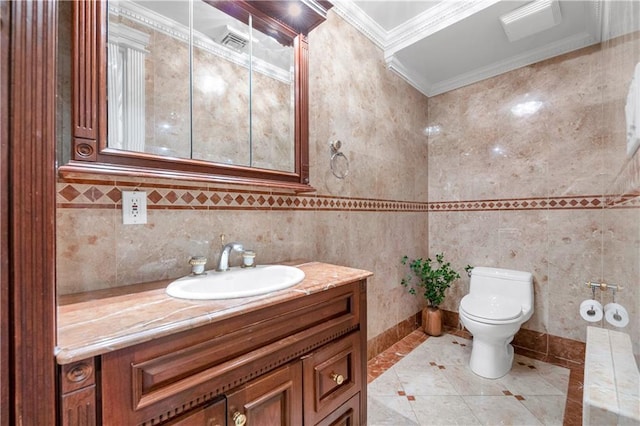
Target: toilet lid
{"points": [[491, 307]]}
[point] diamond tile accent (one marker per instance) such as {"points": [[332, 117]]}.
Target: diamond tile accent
{"points": [[171, 197], [69, 193], [155, 197], [115, 195], [187, 197], [202, 198], [93, 193]]}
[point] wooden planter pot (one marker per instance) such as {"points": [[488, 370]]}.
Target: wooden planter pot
{"points": [[432, 321]]}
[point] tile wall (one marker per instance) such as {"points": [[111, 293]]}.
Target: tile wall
{"points": [[552, 132]]}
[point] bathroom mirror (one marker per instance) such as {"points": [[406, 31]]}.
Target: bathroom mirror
{"points": [[200, 90]]}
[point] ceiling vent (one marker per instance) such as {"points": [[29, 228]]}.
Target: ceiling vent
{"points": [[230, 37], [531, 19]]}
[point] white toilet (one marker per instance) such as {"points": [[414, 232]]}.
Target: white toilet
{"points": [[498, 303]]}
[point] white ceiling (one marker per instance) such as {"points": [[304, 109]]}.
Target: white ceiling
{"points": [[441, 45]]}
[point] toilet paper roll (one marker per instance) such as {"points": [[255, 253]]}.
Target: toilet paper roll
{"points": [[591, 310], [616, 315]]}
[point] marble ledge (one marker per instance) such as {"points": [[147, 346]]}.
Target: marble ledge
{"points": [[611, 379], [95, 323]]}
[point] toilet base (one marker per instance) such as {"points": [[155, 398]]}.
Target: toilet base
{"points": [[491, 360]]}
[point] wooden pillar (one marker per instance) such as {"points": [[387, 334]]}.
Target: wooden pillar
{"points": [[31, 210], [5, 381]]}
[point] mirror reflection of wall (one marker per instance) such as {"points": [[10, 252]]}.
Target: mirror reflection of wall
{"points": [[186, 80]]}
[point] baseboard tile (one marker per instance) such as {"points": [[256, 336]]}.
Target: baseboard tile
{"points": [[527, 342]]}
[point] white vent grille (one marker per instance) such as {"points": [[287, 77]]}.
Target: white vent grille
{"points": [[233, 38]]}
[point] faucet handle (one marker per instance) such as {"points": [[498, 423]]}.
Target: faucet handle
{"points": [[197, 264], [222, 238]]}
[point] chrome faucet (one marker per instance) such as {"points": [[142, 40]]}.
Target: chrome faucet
{"points": [[223, 259]]}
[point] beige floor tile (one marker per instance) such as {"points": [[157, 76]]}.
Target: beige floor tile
{"points": [[433, 385]]}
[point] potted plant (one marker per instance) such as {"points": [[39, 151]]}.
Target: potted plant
{"points": [[433, 279]]}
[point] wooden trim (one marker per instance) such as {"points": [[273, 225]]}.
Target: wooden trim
{"points": [[302, 107], [5, 382], [32, 209], [89, 71], [363, 356]]}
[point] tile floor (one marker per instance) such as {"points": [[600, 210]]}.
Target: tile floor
{"points": [[433, 385]]}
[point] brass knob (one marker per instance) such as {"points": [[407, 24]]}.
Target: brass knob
{"points": [[338, 378], [239, 419]]}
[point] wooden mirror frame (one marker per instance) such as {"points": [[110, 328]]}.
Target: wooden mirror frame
{"points": [[90, 153]]}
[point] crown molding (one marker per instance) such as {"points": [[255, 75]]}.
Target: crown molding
{"points": [[351, 13], [417, 81], [447, 13], [422, 25], [429, 22]]}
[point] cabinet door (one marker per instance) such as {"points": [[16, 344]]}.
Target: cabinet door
{"points": [[271, 400], [210, 415]]}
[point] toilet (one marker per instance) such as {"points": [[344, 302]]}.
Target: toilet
{"points": [[498, 303]]}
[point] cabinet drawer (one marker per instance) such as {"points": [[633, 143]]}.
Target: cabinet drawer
{"points": [[347, 415], [332, 375]]}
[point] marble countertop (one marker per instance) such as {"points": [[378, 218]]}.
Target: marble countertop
{"points": [[98, 322]]}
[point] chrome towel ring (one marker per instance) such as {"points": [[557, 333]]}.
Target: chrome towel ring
{"points": [[338, 161]]}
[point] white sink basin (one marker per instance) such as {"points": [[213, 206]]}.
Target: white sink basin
{"points": [[238, 282]]}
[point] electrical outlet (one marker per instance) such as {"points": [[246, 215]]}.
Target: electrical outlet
{"points": [[134, 207]]}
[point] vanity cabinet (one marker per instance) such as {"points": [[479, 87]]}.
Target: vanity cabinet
{"points": [[296, 362]]}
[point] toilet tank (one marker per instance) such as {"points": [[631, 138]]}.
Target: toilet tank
{"points": [[517, 285]]}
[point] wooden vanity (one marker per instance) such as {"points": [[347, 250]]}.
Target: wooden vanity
{"points": [[294, 357]]}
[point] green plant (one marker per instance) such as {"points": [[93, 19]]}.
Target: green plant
{"points": [[433, 280]]}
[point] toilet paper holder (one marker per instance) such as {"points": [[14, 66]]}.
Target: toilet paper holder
{"points": [[604, 286]]}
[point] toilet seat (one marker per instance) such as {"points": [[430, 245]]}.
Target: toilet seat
{"points": [[491, 309]]}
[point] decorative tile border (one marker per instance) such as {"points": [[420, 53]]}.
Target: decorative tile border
{"points": [[98, 194], [541, 203], [85, 194]]}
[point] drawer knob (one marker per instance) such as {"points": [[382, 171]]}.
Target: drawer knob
{"points": [[338, 378], [239, 419]]}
